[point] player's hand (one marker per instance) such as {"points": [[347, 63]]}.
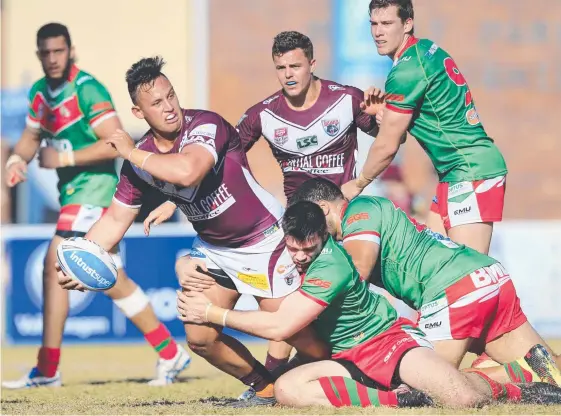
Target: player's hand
{"points": [[159, 215], [16, 172], [67, 282], [192, 307], [373, 101], [189, 273], [49, 158], [351, 190], [122, 142]]}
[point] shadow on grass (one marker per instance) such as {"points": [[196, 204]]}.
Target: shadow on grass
{"points": [[137, 381]]}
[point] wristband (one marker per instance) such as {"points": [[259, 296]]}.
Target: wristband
{"points": [[362, 181], [224, 318], [66, 159], [145, 159], [207, 309], [13, 159]]}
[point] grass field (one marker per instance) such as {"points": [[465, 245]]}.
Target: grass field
{"points": [[111, 380]]}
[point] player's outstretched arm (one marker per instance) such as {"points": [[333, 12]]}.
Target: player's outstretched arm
{"points": [[382, 151], [24, 150], [295, 312]]}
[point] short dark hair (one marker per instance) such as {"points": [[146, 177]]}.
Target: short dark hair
{"points": [[315, 190], [53, 30], [404, 8], [304, 220], [288, 41], [143, 72]]}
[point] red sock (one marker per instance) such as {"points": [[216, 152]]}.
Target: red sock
{"points": [[498, 390], [47, 361], [163, 343]]}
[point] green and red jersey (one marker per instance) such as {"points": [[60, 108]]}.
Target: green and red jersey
{"points": [[66, 118]]}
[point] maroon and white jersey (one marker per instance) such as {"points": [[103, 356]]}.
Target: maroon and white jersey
{"points": [[228, 208], [320, 141]]}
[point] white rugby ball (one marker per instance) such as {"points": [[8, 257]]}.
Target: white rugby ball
{"points": [[87, 262]]}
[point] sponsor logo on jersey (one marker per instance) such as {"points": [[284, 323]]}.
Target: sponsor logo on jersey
{"points": [[256, 280], [196, 253], [210, 206], [489, 275], [307, 141], [270, 100], [271, 230], [358, 217], [327, 250], [462, 211], [56, 119], [431, 51], [333, 87], [321, 283], [358, 337], [331, 127], [322, 164], [472, 117], [433, 325], [281, 136], [207, 130], [83, 79]]}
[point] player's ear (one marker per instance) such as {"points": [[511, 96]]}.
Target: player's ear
{"points": [[408, 25], [312, 65], [137, 112], [324, 207]]}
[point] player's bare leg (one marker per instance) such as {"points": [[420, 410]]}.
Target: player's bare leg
{"points": [[55, 311], [434, 222], [328, 383], [135, 305], [227, 353], [522, 362], [425, 370], [452, 350], [55, 300], [476, 235]]}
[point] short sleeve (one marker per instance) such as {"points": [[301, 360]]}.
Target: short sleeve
{"points": [[363, 121], [130, 188], [249, 129], [362, 221], [35, 108], [209, 130], [323, 284], [95, 102], [405, 87]]}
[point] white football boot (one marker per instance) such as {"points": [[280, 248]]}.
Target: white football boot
{"points": [[33, 379], [168, 370]]}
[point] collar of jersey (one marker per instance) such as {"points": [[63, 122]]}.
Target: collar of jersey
{"points": [[343, 209], [410, 42], [71, 76]]}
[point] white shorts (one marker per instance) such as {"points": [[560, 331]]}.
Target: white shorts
{"points": [[264, 269]]}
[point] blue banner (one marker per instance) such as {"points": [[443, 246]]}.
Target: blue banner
{"points": [[93, 316]]}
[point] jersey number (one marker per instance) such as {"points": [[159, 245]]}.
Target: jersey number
{"points": [[457, 78]]}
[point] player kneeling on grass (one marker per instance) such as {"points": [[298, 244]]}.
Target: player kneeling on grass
{"points": [[464, 297], [371, 346]]}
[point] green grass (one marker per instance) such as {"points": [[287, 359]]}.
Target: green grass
{"points": [[112, 380]]}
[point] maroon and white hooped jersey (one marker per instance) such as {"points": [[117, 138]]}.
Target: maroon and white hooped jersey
{"points": [[228, 208], [319, 141]]}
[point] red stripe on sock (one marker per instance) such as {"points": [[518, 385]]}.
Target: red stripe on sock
{"points": [[363, 395], [527, 376], [328, 390], [496, 387], [387, 398], [47, 361], [159, 335], [513, 393], [342, 389]]}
